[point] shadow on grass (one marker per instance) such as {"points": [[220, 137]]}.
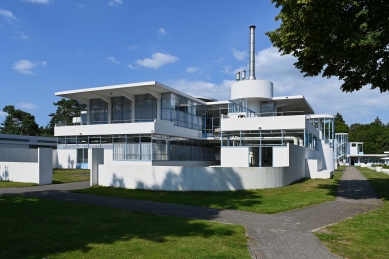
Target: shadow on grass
{"points": [[380, 183], [39, 228]]}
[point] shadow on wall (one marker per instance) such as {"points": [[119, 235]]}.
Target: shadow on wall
{"points": [[117, 182], [4, 176], [196, 178], [70, 162]]}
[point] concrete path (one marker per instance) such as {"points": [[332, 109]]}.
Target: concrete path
{"points": [[284, 235]]}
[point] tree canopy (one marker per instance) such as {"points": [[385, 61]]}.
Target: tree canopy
{"points": [[19, 122], [340, 124], [347, 39], [66, 110]]}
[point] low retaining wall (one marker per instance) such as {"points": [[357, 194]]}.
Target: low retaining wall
{"points": [[13, 168], [176, 178], [198, 178]]}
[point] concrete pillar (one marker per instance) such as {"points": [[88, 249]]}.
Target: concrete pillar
{"points": [[95, 157], [88, 113], [45, 162], [109, 112]]}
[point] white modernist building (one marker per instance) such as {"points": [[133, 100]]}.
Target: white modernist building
{"points": [[149, 135], [351, 153]]}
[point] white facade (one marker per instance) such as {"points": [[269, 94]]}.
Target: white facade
{"points": [[156, 130]]}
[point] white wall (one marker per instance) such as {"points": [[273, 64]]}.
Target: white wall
{"points": [[266, 123], [280, 156], [66, 158], [234, 157], [39, 172], [19, 172], [105, 129], [194, 178]]}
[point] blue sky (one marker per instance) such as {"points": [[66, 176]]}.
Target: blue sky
{"points": [[47, 46]]}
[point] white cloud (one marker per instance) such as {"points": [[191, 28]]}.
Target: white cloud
{"points": [[161, 32], [131, 66], [23, 35], [192, 69], [228, 70], [324, 95], [239, 55], [25, 66], [115, 2], [157, 60], [79, 5], [38, 1], [8, 15], [201, 88], [114, 60], [28, 106]]}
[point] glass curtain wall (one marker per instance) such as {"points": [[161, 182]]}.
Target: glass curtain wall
{"points": [[162, 148], [145, 108], [99, 111], [121, 109], [182, 111]]}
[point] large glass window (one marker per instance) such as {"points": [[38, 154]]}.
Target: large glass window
{"points": [[121, 109], [182, 111], [268, 109], [99, 111], [145, 107]]}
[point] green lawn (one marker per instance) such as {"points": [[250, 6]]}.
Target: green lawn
{"points": [[7, 184], [70, 175], [37, 228], [302, 193], [366, 235]]}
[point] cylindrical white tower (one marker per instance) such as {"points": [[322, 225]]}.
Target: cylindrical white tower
{"points": [[255, 91]]}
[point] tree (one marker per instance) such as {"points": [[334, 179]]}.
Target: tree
{"points": [[340, 124], [348, 39], [19, 122], [66, 110]]}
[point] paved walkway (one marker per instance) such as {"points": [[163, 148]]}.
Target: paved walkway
{"points": [[284, 235]]}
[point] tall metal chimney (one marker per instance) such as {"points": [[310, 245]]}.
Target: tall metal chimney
{"points": [[252, 53]]}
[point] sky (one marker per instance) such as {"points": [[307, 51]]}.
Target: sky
{"points": [[195, 46]]}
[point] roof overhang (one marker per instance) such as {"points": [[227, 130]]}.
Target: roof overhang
{"points": [[294, 103], [127, 90]]}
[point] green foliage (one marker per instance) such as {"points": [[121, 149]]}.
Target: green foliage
{"points": [[347, 39], [66, 110], [340, 124], [375, 136], [19, 122]]}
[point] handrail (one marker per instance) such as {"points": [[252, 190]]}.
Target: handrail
{"points": [[105, 122]]}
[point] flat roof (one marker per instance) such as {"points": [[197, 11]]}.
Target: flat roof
{"points": [[294, 102], [105, 92]]}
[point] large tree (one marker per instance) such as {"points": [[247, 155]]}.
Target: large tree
{"points": [[19, 122], [66, 110], [340, 124], [348, 39]]}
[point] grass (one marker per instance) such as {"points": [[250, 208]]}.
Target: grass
{"points": [[366, 235], [8, 184], [37, 228], [70, 175], [302, 193]]}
